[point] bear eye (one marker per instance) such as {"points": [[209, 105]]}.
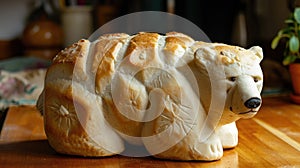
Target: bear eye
{"points": [[256, 79], [232, 79]]}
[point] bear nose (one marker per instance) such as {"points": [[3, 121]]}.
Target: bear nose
{"points": [[253, 102]]}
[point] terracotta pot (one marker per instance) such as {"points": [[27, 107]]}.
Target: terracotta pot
{"points": [[295, 76]]}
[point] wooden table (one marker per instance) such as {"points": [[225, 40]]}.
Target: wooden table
{"points": [[271, 139]]}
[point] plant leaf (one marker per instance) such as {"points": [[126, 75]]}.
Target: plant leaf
{"points": [[289, 59], [297, 15], [289, 21], [282, 31], [275, 42], [294, 44]]}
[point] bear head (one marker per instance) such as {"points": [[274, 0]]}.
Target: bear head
{"points": [[230, 77]]}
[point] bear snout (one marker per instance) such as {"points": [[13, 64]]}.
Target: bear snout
{"points": [[253, 102]]}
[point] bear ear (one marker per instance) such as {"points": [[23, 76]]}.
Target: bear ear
{"points": [[257, 51], [205, 55]]}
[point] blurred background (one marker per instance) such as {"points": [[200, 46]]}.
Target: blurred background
{"points": [[41, 28]]}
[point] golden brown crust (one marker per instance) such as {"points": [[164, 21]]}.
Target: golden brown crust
{"points": [[64, 63], [232, 54], [114, 36], [125, 126], [71, 121], [180, 35], [71, 53], [61, 121], [141, 48], [173, 44], [106, 66]]}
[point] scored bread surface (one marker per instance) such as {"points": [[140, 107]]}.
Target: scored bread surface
{"points": [[80, 115]]}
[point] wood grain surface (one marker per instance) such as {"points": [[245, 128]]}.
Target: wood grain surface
{"points": [[270, 139]]}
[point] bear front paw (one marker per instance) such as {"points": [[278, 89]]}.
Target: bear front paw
{"points": [[229, 135], [209, 150]]}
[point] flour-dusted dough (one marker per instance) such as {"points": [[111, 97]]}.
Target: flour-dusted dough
{"points": [[152, 90]]}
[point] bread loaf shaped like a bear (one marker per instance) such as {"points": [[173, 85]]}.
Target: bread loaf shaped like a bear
{"points": [[177, 97]]}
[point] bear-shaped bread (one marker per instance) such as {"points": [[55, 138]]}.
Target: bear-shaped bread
{"points": [[177, 97]]}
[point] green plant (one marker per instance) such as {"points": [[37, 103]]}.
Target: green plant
{"points": [[291, 34]]}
